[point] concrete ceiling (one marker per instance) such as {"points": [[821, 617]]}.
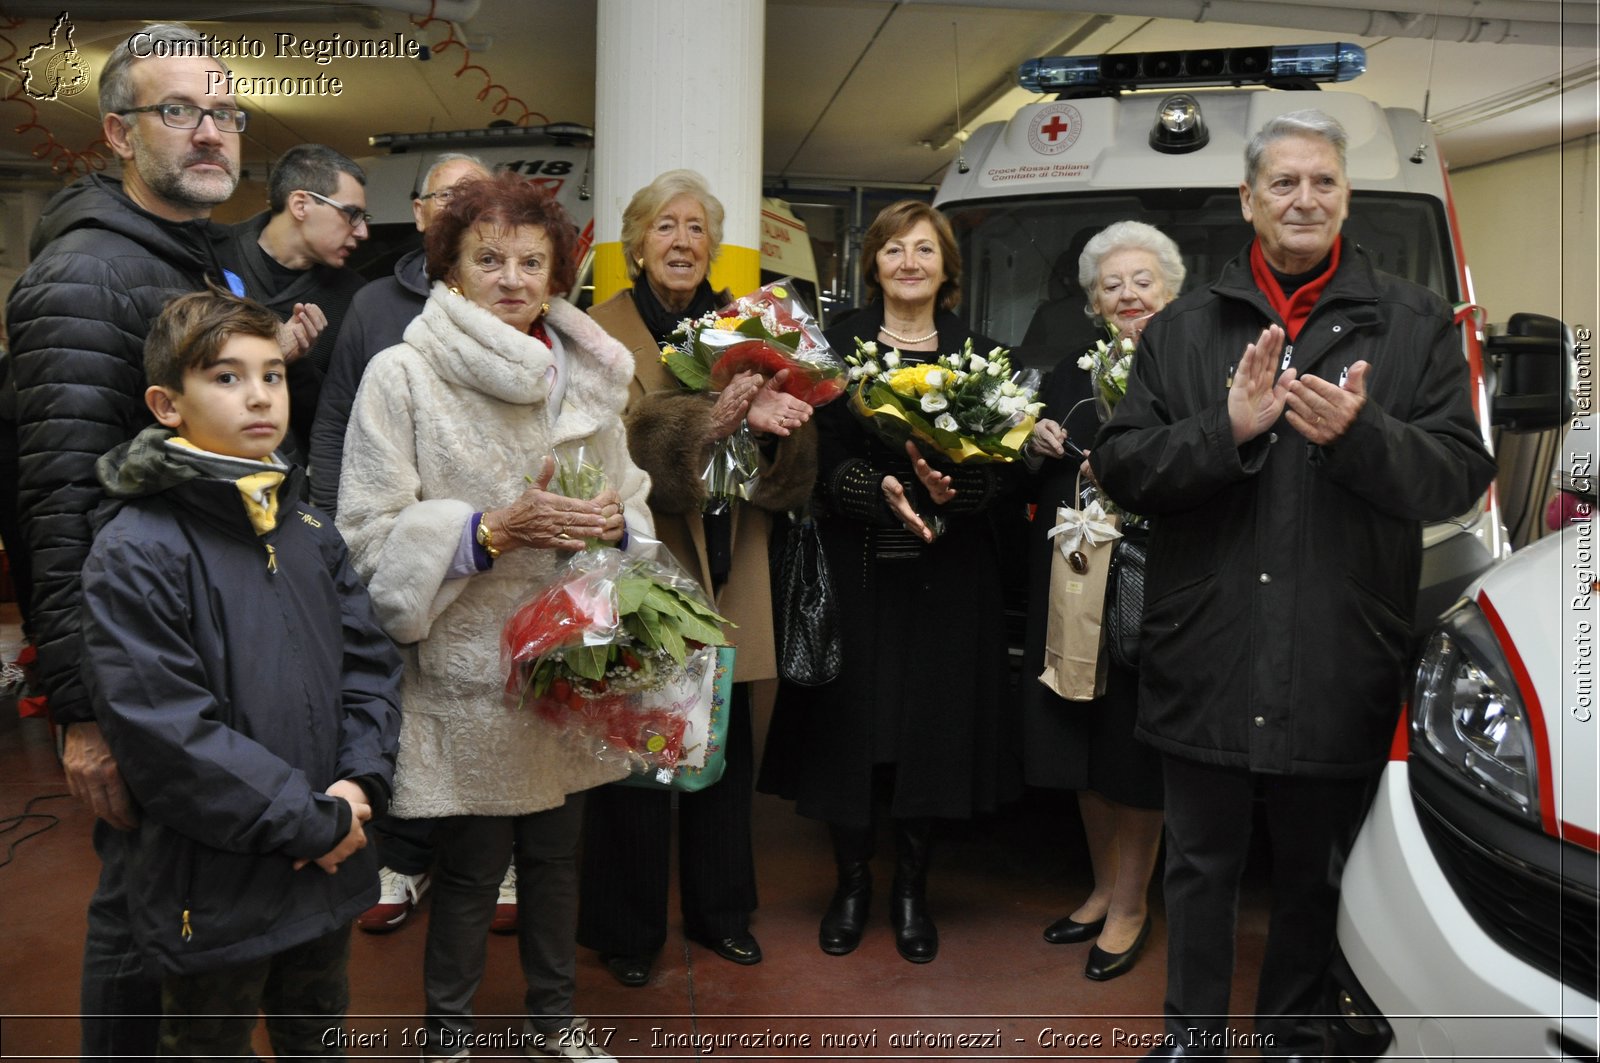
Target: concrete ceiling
{"points": [[855, 90]]}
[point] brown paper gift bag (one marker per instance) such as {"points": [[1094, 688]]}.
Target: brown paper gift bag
{"points": [[1074, 647]]}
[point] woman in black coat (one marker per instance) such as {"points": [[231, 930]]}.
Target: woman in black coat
{"points": [[916, 720], [1129, 270]]}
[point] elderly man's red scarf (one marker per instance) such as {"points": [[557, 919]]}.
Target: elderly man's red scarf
{"points": [[1293, 309]]}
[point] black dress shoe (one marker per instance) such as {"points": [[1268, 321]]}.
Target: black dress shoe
{"points": [[742, 949], [1068, 931], [631, 971], [1104, 966]]}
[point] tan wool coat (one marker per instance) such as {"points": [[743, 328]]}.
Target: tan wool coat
{"points": [[667, 433]]}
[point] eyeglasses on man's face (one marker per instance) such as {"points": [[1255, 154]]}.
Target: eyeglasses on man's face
{"points": [[354, 215], [189, 116], [443, 195]]}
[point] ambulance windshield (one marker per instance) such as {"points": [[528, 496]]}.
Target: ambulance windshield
{"points": [[1020, 256]]}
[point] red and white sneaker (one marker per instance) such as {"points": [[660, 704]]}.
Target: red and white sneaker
{"points": [[505, 906], [398, 893]]}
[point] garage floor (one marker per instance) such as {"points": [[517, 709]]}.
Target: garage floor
{"points": [[996, 884]]}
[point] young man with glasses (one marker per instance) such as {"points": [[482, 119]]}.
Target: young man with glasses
{"points": [[108, 255], [297, 252]]}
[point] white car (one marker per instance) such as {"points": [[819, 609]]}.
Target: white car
{"points": [[1468, 922]]}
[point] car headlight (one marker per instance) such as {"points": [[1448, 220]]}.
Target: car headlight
{"points": [[1467, 715]]}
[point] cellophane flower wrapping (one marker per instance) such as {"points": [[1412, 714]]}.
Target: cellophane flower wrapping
{"points": [[767, 331], [967, 406], [1108, 363], [616, 649]]}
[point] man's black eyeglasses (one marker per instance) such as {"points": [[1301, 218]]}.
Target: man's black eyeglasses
{"points": [[444, 195], [354, 215], [189, 116]]}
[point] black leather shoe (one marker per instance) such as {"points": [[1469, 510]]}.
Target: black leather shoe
{"points": [[1104, 966], [1068, 931], [915, 936], [631, 971], [742, 949]]}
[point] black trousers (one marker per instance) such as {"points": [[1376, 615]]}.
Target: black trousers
{"points": [[622, 907], [1311, 825]]}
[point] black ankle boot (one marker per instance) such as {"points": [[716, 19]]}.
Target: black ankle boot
{"points": [[846, 916], [915, 936]]}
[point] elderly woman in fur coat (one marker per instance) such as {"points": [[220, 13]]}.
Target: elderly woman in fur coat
{"points": [[447, 433], [671, 232]]}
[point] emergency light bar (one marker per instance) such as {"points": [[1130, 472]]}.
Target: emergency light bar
{"points": [[1210, 66]]}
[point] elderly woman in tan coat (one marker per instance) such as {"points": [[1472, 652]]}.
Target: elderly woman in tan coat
{"points": [[671, 232]]}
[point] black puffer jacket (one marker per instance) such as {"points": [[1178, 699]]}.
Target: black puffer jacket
{"points": [[1283, 576], [102, 270], [236, 677], [377, 321]]}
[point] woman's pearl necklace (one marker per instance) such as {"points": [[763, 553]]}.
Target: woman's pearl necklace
{"points": [[893, 335]]}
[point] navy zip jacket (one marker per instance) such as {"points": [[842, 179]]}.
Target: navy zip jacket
{"points": [[236, 677]]}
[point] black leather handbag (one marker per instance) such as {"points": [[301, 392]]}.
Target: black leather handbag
{"points": [[810, 643], [1125, 596]]}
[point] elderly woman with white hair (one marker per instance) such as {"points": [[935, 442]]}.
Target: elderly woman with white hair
{"points": [[671, 233], [1129, 270]]}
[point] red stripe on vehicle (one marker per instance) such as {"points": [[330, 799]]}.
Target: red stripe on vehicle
{"points": [[1588, 839], [1400, 748], [1530, 703]]}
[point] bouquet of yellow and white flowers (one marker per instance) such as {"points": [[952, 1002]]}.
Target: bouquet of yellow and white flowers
{"points": [[970, 407]]}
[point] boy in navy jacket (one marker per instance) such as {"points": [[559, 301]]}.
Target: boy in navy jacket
{"points": [[246, 689]]}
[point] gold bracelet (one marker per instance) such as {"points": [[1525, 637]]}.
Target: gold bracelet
{"points": [[486, 540]]}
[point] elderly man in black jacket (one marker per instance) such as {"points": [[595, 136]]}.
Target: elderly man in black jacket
{"points": [[108, 255], [1290, 428]]}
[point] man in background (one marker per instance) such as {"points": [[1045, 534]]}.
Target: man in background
{"points": [[297, 252], [377, 320]]}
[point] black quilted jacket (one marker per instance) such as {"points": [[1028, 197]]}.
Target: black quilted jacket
{"points": [[102, 270]]}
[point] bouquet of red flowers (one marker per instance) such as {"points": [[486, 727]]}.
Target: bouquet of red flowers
{"points": [[617, 649], [767, 331]]}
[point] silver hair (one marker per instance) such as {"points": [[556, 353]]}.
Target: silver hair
{"points": [[652, 199], [1129, 234], [1308, 123], [116, 80], [445, 160]]}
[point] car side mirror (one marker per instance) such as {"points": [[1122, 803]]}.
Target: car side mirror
{"points": [[1534, 370]]}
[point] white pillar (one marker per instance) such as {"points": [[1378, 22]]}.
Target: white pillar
{"points": [[678, 83]]}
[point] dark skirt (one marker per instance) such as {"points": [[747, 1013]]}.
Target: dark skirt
{"points": [[1076, 745], [924, 687]]}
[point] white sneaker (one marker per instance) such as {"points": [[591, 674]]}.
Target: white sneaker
{"points": [[505, 906], [398, 893], [575, 1042]]}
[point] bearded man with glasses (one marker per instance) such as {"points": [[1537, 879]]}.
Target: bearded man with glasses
{"points": [[108, 254], [296, 254]]}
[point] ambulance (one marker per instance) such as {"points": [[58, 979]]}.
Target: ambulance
{"points": [[1028, 193], [1468, 924], [558, 157]]}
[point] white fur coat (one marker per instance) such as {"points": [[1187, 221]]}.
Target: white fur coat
{"points": [[446, 424]]}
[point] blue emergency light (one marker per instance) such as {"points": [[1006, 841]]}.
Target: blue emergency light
{"points": [[1210, 66]]}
